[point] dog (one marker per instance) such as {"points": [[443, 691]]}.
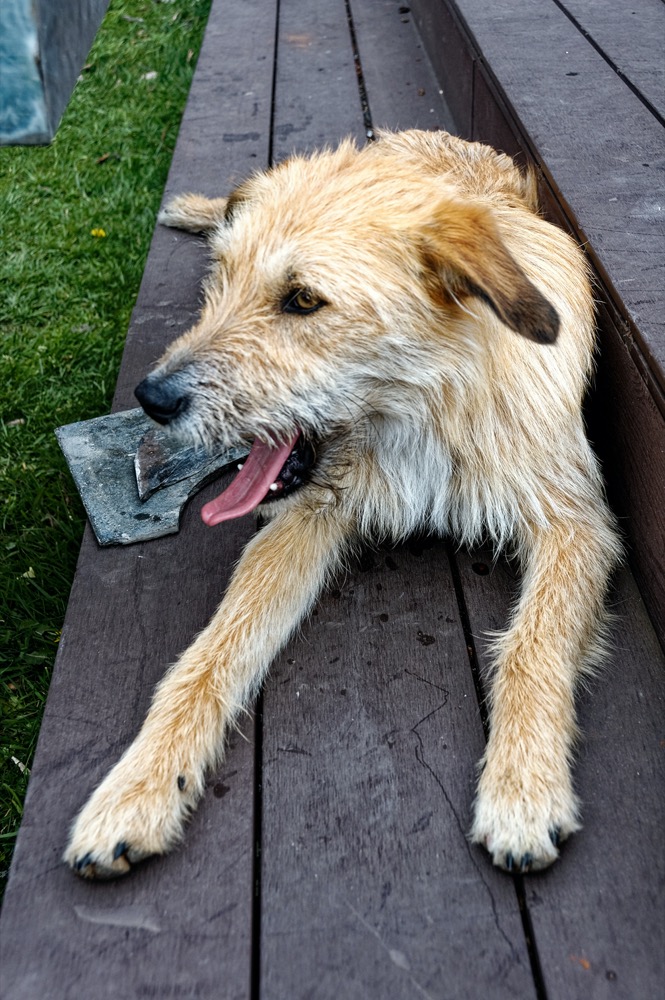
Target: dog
{"points": [[407, 344]]}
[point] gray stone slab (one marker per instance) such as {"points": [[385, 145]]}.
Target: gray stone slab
{"points": [[102, 456]]}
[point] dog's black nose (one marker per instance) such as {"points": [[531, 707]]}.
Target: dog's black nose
{"points": [[163, 398]]}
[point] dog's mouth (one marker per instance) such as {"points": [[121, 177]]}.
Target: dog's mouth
{"points": [[268, 474]]}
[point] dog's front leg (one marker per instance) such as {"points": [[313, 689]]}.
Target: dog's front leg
{"points": [[525, 804], [140, 807]]}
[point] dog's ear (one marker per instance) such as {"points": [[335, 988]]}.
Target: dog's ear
{"points": [[193, 213], [463, 247]]}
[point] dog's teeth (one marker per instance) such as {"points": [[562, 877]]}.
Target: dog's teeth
{"points": [[273, 487], [239, 466]]}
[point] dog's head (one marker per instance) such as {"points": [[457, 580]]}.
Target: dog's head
{"points": [[335, 277]]}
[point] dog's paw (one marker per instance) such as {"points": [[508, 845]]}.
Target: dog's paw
{"points": [[132, 815], [522, 820]]}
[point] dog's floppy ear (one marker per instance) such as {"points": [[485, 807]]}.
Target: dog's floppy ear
{"points": [[193, 213], [464, 248]]}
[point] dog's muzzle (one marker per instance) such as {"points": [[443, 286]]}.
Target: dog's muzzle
{"points": [[271, 471]]}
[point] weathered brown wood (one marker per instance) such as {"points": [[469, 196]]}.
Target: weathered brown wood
{"points": [[594, 913], [492, 121], [631, 36], [540, 90], [175, 923], [564, 95], [316, 93], [371, 734], [402, 88], [181, 926], [371, 727], [452, 58], [628, 431]]}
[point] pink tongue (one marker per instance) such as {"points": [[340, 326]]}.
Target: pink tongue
{"points": [[261, 468]]}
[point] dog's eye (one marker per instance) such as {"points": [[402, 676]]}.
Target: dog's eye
{"points": [[301, 302]]}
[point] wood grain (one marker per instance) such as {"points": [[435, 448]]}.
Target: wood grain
{"points": [[594, 912], [631, 37], [316, 91], [402, 88], [179, 926], [452, 57], [628, 431], [564, 94], [371, 735]]}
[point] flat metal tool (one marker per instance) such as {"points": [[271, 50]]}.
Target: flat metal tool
{"points": [[134, 479]]}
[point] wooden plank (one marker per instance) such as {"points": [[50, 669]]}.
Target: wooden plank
{"points": [[492, 121], [451, 56], [627, 423], [402, 88], [563, 93], [173, 924], [595, 913], [628, 432], [638, 420], [179, 926], [632, 37], [42, 49], [316, 95], [371, 734]]}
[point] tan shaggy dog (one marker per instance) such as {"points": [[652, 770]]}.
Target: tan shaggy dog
{"points": [[407, 344]]}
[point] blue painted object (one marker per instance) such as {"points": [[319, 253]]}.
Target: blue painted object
{"points": [[43, 45], [23, 115]]}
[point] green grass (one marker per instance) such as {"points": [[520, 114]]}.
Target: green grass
{"points": [[65, 302]]}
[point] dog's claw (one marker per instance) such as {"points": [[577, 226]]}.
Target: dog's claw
{"points": [[555, 836], [120, 848], [509, 862], [94, 865], [526, 862]]}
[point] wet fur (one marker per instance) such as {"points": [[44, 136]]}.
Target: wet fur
{"points": [[442, 382]]}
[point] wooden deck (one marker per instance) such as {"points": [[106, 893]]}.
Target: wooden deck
{"points": [[329, 858], [577, 87]]}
